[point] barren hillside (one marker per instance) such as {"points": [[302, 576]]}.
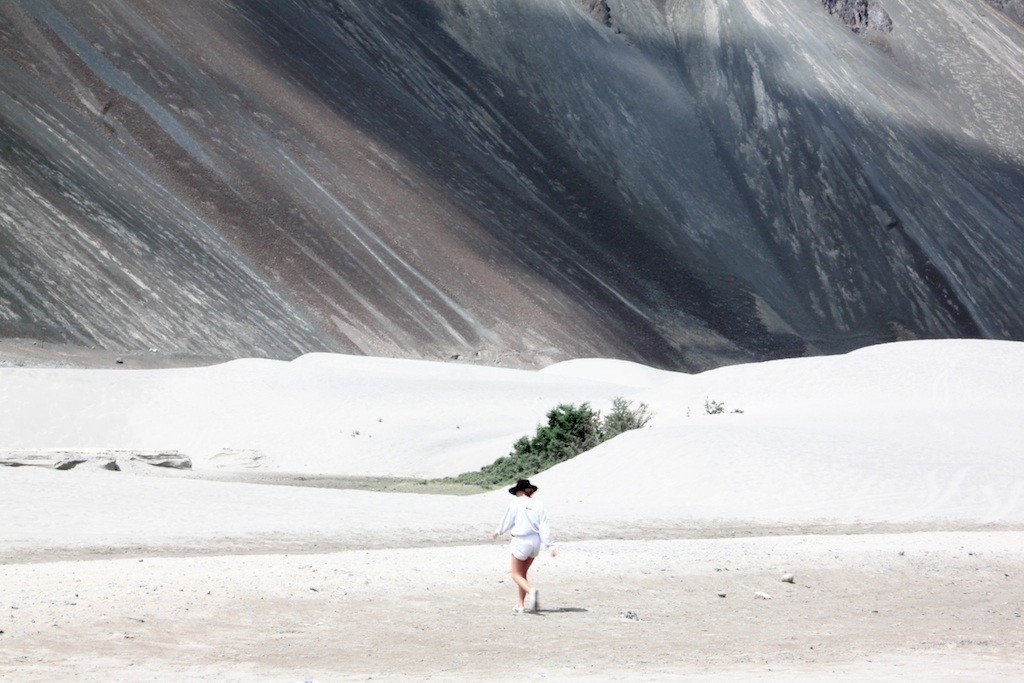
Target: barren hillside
{"points": [[684, 183]]}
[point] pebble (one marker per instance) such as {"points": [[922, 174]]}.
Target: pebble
{"points": [[788, 578], [762, 595]]}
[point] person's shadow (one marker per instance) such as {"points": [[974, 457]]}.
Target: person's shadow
{"points": [[560, 610]]}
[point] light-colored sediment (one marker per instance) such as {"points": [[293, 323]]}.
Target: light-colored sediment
{"points": [[888, 482], [919, 606]]}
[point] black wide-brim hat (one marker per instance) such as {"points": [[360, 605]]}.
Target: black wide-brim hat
{"points": [[522, 485]]}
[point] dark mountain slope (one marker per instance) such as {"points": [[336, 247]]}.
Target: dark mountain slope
{"points": [[682, 183]]}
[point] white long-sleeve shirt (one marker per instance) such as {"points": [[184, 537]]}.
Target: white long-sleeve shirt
{"points": [[526, 517]]}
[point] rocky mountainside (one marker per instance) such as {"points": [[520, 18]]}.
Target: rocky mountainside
{"points": [[687, 183], [1013, 8]]}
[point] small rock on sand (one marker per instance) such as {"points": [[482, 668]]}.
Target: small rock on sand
{"points": [[788, 578]]}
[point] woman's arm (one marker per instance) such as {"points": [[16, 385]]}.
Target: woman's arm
{"points": [[506, 522]]}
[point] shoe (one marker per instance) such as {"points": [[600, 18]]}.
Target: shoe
{"points": [[532, 605], [517, 610]]}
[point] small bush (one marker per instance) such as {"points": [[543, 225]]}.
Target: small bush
{"points": [[715, 408], [623, 417]]}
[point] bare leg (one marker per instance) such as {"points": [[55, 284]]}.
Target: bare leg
{"points": [[519, 569]]}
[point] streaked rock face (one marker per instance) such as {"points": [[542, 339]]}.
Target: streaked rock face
{"points": [[686, 183], [1013, 8]]}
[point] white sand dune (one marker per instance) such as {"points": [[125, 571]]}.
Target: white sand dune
{"points": [[322, 413], [897, 433], [905, 440]]}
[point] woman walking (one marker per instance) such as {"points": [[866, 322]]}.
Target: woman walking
{"points": [[527, 519]]}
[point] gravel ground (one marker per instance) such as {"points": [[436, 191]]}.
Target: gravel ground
{"points": [[925, 605]]}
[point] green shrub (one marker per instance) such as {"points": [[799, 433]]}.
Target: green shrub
{"points": [[623, 417], [570, 430]]}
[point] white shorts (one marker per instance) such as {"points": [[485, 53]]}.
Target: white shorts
{"points": [[525, 546]]}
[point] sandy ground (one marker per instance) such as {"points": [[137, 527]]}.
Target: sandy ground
{"points": [[925, 605], [888, 482]]}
